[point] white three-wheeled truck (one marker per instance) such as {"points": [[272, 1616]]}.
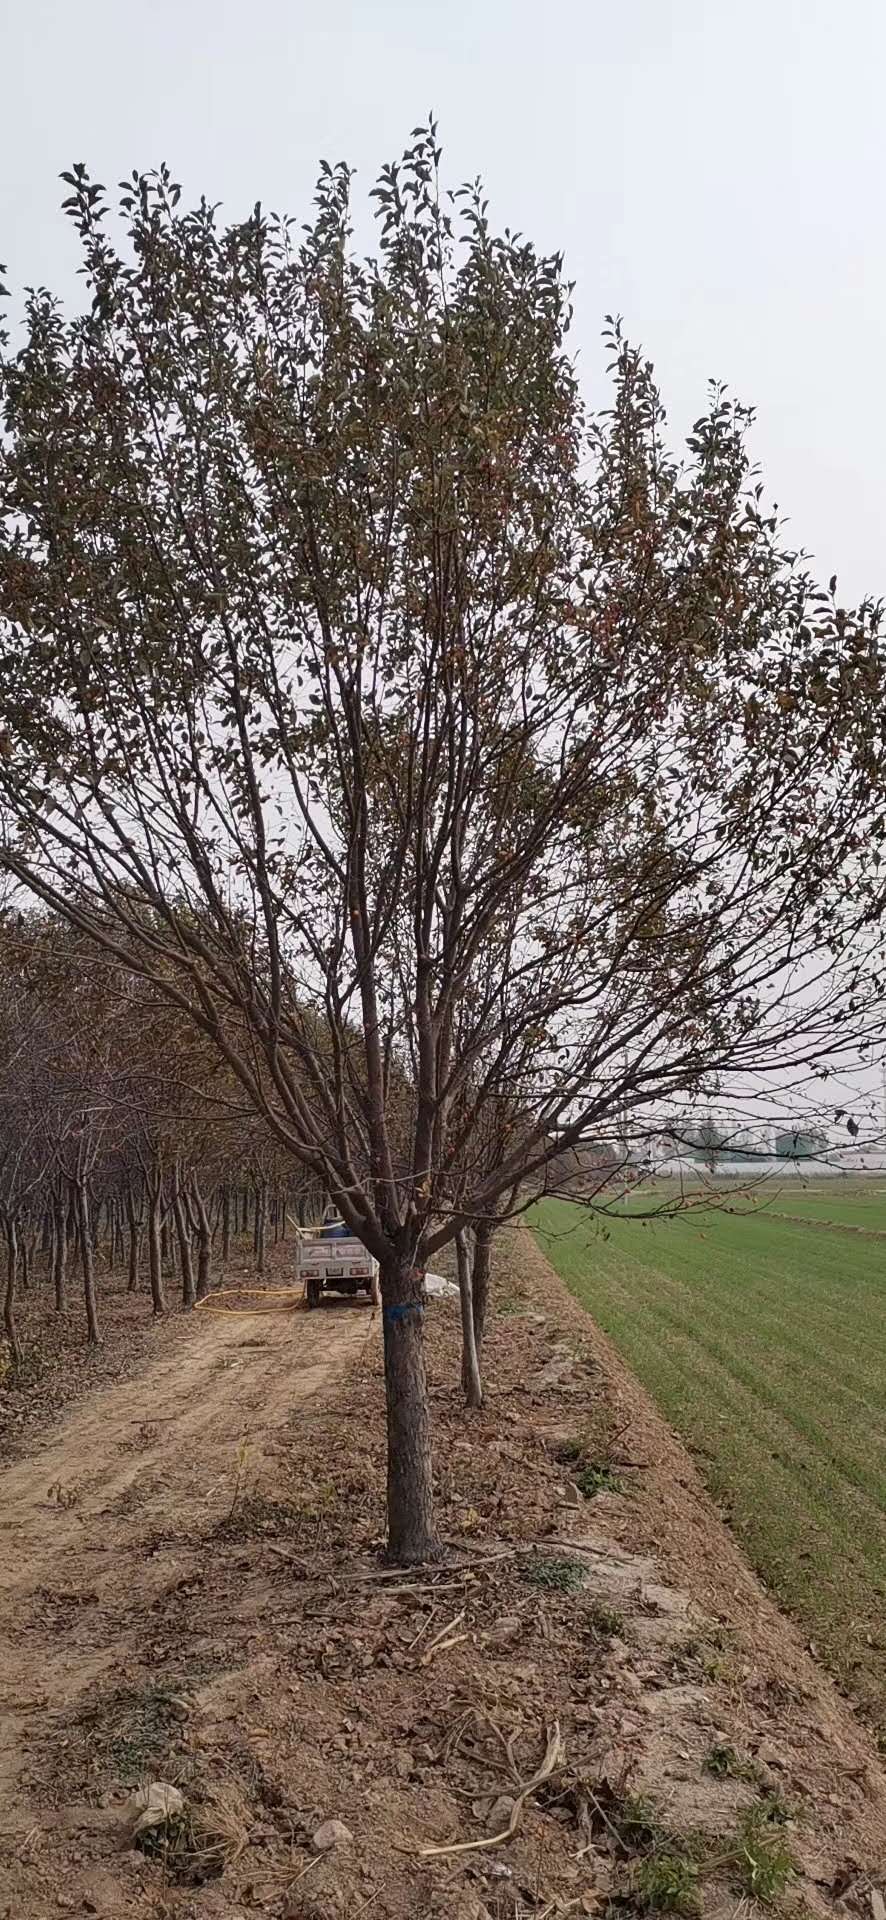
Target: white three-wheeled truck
{"points": [[330, 1259]]}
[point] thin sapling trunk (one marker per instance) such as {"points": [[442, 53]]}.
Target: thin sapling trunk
{"points": [[470, 1363]]}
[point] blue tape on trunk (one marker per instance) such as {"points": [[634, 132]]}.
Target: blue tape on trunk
{"points": [[400, 1312]]}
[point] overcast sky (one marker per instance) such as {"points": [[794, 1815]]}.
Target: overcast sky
{"points": [[712, 170]]}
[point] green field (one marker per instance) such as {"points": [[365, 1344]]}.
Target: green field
{"points": [[853, 1205], [764, 1344]]}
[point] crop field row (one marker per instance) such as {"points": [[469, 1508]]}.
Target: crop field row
{"points": [[763, 1342]]}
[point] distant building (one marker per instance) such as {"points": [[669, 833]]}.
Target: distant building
{"points": [[716, 1142], [801, 1144]]}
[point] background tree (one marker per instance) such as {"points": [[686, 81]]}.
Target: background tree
{"points": [[24, 1154], [112, 1103], [422, 741]]}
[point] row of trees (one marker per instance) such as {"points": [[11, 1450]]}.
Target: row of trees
{"points": [[121, 1136], [474, 775]]}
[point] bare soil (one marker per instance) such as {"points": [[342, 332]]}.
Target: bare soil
{"points": [[192, 1593]]}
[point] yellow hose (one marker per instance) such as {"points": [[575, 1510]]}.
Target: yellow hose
{"points": [[286, 1292]]}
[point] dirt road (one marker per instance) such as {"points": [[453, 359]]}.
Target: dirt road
{"points": [[83, 1519]]}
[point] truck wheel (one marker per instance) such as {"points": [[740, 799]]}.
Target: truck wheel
{"points": [[313, 1293]]}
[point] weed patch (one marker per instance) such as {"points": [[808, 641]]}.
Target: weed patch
{"points": [[607, 1620], [559, 1576], [128, 1736], [762, 1860], [666, 1882], [704, 1656], [597, 1478], [724, 1763]]}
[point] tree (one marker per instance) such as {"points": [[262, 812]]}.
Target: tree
{"points": [[709, 1142], [425, 742], [112, 1108], [23, 1153]]}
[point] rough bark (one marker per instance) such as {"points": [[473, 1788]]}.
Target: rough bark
{"points": [[87, 1263], [480, 1279], [189, 1285], [258, 1238], [60, 1255], [9, 1326], [155, 1251], [470, 1362], [134, 1257], [134, 1224], [411, 1535], [204, 1245]]}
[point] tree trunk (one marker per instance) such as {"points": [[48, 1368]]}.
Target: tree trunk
{"points": [[226, 1225], [258, 1243], [470, 1362], [87, 1262], [480, 1279], [60, 1254], [411, 1535], [9, 1325], [155, 1251], [134, 1257], [204, 1245], [189, 1290], [119, 1242], [134, 1224], [24, 1250]]}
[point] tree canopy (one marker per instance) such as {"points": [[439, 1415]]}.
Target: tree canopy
{"points": [[442, 750]]}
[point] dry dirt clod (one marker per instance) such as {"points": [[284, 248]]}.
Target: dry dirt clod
{"points": [[500, 1812], [505, 1629], [557, 1373], [332, 1833], [664, 1599], [877, 1904]]}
